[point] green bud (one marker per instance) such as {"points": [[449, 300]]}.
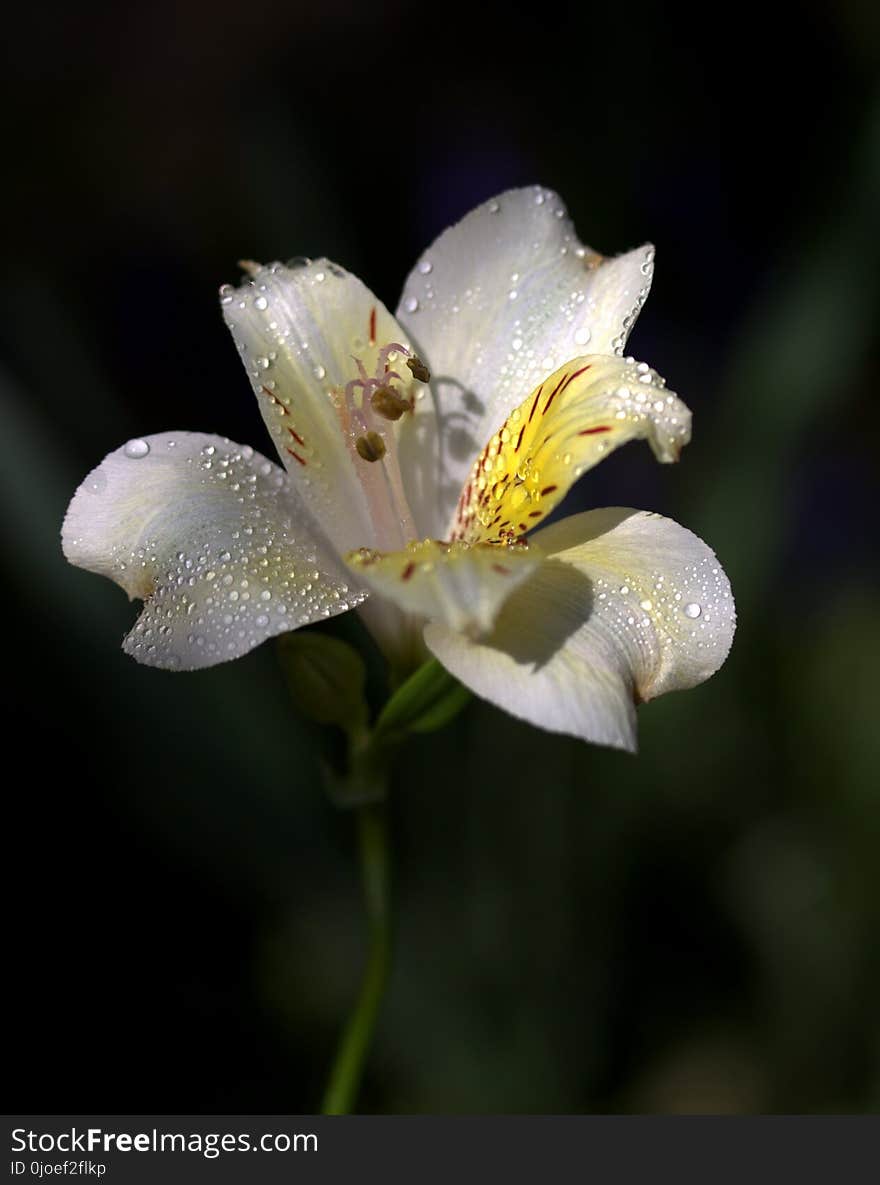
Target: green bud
{"points": [[326, 678]]}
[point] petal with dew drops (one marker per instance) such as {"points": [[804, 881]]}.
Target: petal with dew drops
{"points": [[626, 605], [573, 419], [301, 331], [496, 303], [461, 585], [215, 541]]}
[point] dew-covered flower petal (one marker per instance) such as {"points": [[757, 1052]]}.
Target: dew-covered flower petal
{"points": [[497, 303], [213, 538], [573, 418], [309, 334], [626, 605], [460, 585]]}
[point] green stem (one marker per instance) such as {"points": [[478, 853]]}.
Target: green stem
{"points": [[348, 1066]]}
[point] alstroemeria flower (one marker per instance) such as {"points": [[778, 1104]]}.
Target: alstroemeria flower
{"points": [[420, 451]]}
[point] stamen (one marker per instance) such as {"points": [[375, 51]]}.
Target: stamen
{"points": [[418, 369], [385, 353], [387, 403], [371, 446], [368, 401], [252, 268]]}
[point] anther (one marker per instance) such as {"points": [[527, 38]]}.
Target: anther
{"points": [[387, 403], [370, 447], [418, 369]]}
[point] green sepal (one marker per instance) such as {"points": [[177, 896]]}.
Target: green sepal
{"points": [[428, 699], [326, 678]]}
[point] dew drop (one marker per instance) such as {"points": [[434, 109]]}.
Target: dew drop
{"points": [[411, 304], [426, 267], [692, 610], [136, 449], [261, 303], [582, 336]]}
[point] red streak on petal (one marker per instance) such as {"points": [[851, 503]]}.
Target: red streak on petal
{"points": [[535, 404], [296, 436], [593, 431], [548, 490], [295, 456], [373, 325], [274, 399], [573, 376], [519, 438], [408, 571], [501, 570], [553, 395]]}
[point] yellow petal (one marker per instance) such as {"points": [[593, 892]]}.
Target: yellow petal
{"points": [[458, 584], [573, 419]]}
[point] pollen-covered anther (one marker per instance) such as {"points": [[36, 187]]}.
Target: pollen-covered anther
{"points": [[370, 446], [389, 404], [418, 369]]}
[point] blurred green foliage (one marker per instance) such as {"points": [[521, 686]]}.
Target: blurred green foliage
{"points": [[693, 929]]}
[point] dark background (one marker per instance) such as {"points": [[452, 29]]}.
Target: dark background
{"points": [[693, 929]]}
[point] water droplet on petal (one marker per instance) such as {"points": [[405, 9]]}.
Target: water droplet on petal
{"points": [[582, 336], [136, 449], [411, 304], [692, 609]]}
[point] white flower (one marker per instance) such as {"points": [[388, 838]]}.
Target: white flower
{"points": [[417, 490]]}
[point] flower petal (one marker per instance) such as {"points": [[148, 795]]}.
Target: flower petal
{"points": [[301, 331], [573, 419], [213, 538], [627, 605], [454, 583], [494, 305]]}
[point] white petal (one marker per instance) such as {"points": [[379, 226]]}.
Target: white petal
{"points": [[498, 302], [213, 538], [301, 331], [462, 585], [626, 606]]}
